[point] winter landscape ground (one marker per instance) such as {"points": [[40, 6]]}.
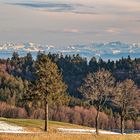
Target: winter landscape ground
{"points": [[14, 129]]}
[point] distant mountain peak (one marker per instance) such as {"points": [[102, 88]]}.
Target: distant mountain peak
{"points": [[109, 50]]}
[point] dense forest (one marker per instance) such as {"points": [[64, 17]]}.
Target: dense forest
{"points": [[17, 73]]}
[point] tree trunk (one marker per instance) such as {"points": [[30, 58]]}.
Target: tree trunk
{"points": [[122, 124], [97, 120], [46, 116], [134, 122]]}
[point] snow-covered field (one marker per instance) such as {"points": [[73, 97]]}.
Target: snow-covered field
{"points": [[8, 128], [84, 131]]}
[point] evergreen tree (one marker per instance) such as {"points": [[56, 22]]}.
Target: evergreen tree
{"points": [[48, 86]]}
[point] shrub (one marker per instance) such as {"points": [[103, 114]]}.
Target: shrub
{"points": [[9, 111]]}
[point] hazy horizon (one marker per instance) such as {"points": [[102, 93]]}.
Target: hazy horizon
{"points": [[65, 22]]}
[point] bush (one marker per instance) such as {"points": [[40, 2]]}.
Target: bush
{"points": [[75, 115], [9, 111], [38, 114]]}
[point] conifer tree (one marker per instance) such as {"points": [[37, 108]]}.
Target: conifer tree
{"points": [[48, 86]]}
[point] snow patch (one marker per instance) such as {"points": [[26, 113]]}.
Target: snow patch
{"points": [[84, 131], [8, 128], [116, 51]]}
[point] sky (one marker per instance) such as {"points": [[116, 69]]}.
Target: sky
{"points": [[68, 22]]}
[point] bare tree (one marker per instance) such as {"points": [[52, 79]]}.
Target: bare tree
{"points": [[127, 100], [97, 88]]}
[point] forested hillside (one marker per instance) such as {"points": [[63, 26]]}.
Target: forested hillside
{"points": [[16, 74], [74, 68]]}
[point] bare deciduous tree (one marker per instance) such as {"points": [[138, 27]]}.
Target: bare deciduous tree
{"points": [[127, 100], [97, 88]]}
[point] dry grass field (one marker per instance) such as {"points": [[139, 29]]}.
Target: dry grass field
{"points": [[53, 134], [58, 136]]}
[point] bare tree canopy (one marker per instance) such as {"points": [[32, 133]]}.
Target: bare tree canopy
{"points": [[97, 89], [126, 98]]}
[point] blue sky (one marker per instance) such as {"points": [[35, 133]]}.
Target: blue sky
{"points": [[66, 22]]}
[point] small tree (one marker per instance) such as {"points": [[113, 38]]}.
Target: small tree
{"points": [[48, 86], [127, 100], [97, 88]]}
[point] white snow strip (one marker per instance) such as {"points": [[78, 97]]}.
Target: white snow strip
{"points": [[84, 131], [8, 128]]}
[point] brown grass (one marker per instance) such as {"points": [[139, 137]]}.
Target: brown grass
{"points": [[59, 136]]}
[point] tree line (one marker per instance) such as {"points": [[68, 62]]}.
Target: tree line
{"points": [[70, 80]]}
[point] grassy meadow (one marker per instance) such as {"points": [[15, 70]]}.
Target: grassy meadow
{"points": [[53, 134]]}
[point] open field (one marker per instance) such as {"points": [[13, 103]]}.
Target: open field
{"points": [[53, 134], [59, 136], [38, 125]]}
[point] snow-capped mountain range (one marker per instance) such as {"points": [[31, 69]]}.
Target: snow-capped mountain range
{"points": [[111, 50]]}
